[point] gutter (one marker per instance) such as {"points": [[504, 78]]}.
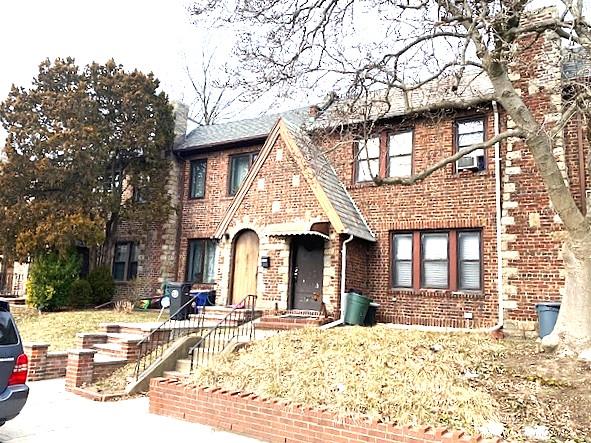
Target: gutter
{"points": [[341, 320]]}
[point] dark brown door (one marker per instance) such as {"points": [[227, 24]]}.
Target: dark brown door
{"points": [[308, 270], [245, 266]]}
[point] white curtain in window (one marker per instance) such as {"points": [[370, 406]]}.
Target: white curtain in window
{"points": [[208, 272], [400, 154]]}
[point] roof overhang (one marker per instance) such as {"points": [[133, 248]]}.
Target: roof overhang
{"points": [[293, 229]]}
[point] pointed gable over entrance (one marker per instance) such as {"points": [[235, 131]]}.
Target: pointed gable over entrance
{"points": [[318, 174]]}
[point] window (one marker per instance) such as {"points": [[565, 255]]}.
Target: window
{"points": [[469, 262], [368, 159], [239, 166], [400, 154], [434, 260], [437, 260], [125, 261], [470, 132], [201, 261], [402, 277], [197, 179]]}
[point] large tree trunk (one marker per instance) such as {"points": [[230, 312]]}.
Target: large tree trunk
{"points": [[573, 327]]}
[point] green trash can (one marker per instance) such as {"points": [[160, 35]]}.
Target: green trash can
{"points": [[357, 306], [547, 316]]}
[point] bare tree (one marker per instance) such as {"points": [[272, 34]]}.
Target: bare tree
{"points": [[366, 48], [215, 91]]}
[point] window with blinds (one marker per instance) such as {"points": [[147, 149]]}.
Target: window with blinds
{"points": [[402, 260], [435, 260], [469, 262]]}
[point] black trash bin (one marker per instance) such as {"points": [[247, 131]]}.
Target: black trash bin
{"points": [[370, 317], [179, 296]]}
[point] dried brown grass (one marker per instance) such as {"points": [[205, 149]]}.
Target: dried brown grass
{"points": [[401, 377]]}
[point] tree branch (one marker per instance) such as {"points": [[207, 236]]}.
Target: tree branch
{"points": [[442, 163]]}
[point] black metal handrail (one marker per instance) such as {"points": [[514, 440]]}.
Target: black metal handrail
{"points": [[152, 347], [239, 322]]}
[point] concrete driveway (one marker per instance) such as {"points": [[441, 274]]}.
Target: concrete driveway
{"points": [[54, 415]]}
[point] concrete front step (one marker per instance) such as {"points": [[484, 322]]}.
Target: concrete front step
{"points": [[109, 349], [174, 374], [107, 359], [119, 337], [183, 365]]}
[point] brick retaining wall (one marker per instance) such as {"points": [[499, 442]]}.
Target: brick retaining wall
{"points": [[44, 365], [279, 421]]}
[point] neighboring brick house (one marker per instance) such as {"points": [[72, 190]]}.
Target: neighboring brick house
{"points": [[268, 206]]}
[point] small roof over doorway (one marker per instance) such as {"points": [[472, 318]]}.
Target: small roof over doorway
{"points": [[293, 229]]}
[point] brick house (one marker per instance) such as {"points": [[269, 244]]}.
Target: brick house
{"points": [[268, 206]]}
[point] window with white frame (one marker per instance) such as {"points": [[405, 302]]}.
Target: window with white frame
{"points": [[368, 159], [400, 154]]}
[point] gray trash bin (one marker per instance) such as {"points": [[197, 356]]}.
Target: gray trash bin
{"points": [[547, 315]]}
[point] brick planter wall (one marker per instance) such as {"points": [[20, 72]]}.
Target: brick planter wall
{"points": [[279, 421], [44, 365]]}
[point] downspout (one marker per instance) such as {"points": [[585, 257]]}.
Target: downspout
{"points": [[341, 320], [501, 319]]}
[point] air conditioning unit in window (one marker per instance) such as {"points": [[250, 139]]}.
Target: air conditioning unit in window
{"points": [[472, 161]]}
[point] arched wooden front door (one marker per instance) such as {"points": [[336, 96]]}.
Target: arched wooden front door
{"points": [[245, 266]]}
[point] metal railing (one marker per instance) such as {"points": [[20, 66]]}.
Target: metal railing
{"points": [[12, 284], [153, 346], [237, 324]]}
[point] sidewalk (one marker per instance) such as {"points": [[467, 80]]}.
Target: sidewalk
{"points": [[53, 415]]}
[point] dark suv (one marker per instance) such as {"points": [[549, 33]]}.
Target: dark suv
{"points": [[14, 367]]}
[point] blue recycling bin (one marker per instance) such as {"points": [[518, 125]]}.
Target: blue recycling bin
{"points": [[204, 297], [547, 315]]}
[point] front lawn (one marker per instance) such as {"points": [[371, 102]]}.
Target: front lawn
{"points": [[462, 381], [59, 329]]}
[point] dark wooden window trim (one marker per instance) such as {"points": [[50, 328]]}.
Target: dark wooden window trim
{"points": [[201, 272], [448, 260], [384, 154], [252, 157], [387, 155], [191, 163], [480, 259], [453, 260], [394, 261], [356, 144], [129, 265], [464, 119]]}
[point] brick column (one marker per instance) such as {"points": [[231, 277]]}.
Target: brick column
{"points": [[37, 353], [87, 341], [79, 368]]}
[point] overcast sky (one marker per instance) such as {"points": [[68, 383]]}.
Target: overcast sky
{"points": [[151, 35]]}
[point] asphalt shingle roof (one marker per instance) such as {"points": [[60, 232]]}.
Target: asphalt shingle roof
{"points": [[327, 178], [253, 128]]}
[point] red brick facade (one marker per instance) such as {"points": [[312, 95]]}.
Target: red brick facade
{"points": [[447, 200]]}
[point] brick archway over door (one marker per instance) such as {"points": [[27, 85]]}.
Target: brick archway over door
{"points": [[244, 266]]}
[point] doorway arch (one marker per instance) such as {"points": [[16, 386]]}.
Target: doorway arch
{"points": [[245, 264]]}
